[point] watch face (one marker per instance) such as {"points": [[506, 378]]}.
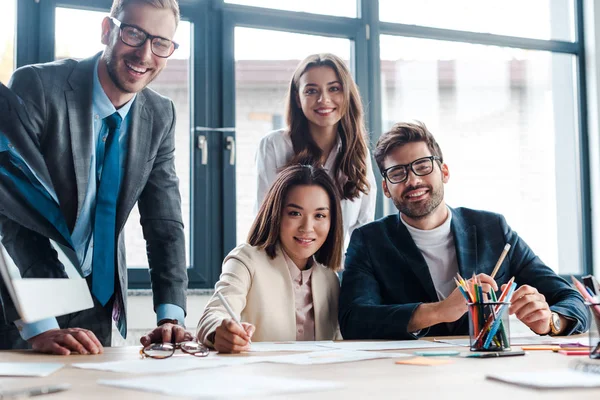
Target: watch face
{"points": [[556, 321]]}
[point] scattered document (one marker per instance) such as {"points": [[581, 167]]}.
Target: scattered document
{"points": [[291, 346], [171, 364], [215, 384], [387, 345], [36, 299], [332, 357], [28, 369], [557, 379]]}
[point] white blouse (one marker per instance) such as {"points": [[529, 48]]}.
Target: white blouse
{"points": [[276, 150]]}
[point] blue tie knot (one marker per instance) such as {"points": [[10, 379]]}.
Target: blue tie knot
{"points": [[113, 121]]}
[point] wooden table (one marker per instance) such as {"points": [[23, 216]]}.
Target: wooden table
{"points": [[463, 379]]}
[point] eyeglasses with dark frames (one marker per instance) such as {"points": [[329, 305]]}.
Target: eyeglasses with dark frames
{"points": [[133, 36], [420, 167], [166, 350]]}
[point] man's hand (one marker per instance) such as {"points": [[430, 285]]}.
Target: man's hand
{"points": [[448, 310], [64, 341], [231, 338], [455, 306], [166, 333], [531, 308]]}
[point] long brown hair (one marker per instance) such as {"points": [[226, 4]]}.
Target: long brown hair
{"points": [[267, 225], [352, 160]]}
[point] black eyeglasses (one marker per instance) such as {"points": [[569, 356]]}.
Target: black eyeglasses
{"points": [[135, 37], [420, 167], [166, 350]]}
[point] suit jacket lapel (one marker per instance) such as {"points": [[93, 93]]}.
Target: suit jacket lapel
{"points": [[465, 241], [140, 131], [288, 302], [320, 303], [79, 104], [414, 260]]}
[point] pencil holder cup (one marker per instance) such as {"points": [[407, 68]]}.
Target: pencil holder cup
{"points": [[594, 333], [488, 326]]}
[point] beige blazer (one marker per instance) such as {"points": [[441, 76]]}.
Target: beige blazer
{"points": [[259, 289]]}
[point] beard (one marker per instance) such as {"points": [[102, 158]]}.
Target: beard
{"points": [[112, 62], [421, 209]]}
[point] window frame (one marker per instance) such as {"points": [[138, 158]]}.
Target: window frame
{"points": [[213, 99]]}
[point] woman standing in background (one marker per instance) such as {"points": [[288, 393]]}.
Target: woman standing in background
{"points": [[325, 127]]}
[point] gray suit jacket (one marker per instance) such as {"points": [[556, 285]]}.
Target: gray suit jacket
{"points": [[58, 98]]}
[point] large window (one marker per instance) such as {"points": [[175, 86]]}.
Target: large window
{"points": [[7, 40], [506, 122], [537, 19], [500, 83], [341, 8]]}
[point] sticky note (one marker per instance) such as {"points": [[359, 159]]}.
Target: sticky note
{"points": [[424, 361]]}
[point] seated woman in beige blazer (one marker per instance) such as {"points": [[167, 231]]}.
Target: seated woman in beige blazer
{"points": [[282, 282]]}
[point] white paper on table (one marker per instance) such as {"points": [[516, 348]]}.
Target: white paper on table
{"points": [[214, 384], [387, 345], [37, 299], [333, 357], [549, 379], [521, 341], [291, 346], [28, 369], [172, 364]]}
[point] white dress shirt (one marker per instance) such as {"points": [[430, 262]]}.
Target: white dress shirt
{"points": [[275, 151], [437, 247]]}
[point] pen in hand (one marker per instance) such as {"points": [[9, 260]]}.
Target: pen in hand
{"points": [[231, 313]]}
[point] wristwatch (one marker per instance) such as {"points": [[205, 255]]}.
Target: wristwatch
{"points": [[555, 327], [167, 321]]}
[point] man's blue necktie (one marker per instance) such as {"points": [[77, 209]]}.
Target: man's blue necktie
{"points": [[103, 261]]}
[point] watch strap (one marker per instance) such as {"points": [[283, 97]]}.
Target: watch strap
{"points": [[167, 321]]}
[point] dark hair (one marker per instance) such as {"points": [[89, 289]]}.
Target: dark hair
{"points": [[119, 5], [266, 228], [401, 134], [352, 160]]}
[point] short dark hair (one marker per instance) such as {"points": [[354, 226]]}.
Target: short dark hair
{"points": [[119, 5], [401, 134], [267, 224]]}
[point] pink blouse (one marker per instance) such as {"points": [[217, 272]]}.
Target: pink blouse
{"points": [[305, 313]]}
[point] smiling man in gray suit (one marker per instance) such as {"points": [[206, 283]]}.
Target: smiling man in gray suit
{"points": [[75, 109]]}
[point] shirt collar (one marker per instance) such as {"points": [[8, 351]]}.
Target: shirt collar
{"points": [[333, 154], [295, 272], [101, 103], [431, 236]]}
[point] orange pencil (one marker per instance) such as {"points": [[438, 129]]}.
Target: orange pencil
{"points": [[490, 320]]}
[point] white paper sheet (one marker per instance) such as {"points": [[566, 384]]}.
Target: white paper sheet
{"points": [[260, 347], [172, 364], [521, 341], [28, 369], [333, 357], [387, 345], [36, 299], [216, 384], [549, 379]]}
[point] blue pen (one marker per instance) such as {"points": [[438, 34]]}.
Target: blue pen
{"points": [[590, 291], [498, 320]]}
